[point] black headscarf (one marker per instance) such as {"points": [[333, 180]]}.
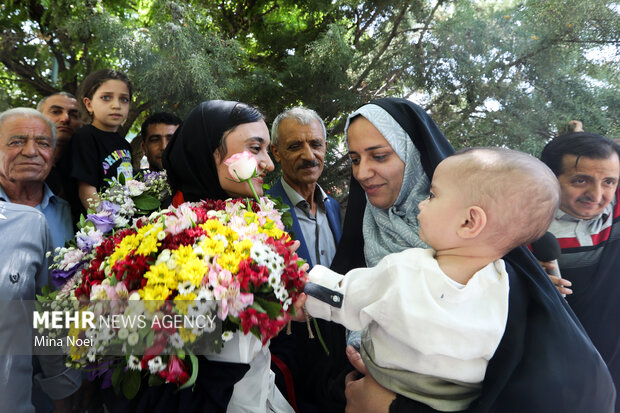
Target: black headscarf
{"points": [[188, 158], [545, 362]]}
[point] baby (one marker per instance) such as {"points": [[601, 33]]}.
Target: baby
{"points": [[432, 318]]}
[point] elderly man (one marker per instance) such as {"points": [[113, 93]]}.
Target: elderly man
{"points": [[587, 226], [27, 140], [155, 134], [298, 142]]}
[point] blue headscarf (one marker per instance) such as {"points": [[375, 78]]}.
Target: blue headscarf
{"points": [[394, 229]]}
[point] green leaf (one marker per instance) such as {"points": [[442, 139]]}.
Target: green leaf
{"points": [[121, 179], [131, 384], [255, 305], [150, 338], [287, 220], [155, 381], [117, 376], [146, 202], [272, 309], [194, 375]]}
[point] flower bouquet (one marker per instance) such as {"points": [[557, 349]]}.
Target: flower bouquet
{"points": [[164, 287]]}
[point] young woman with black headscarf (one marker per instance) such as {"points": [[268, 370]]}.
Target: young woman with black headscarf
{"points": [[544, 362], [212, 132]]}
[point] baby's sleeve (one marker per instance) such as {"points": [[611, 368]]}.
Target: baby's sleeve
{"points": [[353, 300]]}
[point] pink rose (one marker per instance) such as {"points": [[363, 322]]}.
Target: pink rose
{"points": [[242, 166]]}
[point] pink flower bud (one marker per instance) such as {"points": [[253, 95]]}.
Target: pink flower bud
{"points": [[241, 166]]}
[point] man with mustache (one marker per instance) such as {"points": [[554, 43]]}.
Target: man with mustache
{"points": [[587, 226], [298, 143]]}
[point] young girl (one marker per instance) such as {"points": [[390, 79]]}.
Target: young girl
{"points": [[98, 151]]}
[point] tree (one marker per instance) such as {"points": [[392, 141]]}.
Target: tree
{"points": [[50, 46]]}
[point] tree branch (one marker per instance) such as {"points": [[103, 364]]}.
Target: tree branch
{"points": [[361, 29], [383, 49], [427, 23]]}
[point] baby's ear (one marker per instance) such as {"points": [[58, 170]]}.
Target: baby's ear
{"points": [[474, 223]]}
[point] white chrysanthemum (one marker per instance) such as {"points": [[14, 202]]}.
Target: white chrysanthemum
{"points": [[227, 335], [91, 354], [176, 340], [163, 256], [121, 221], [280, 292], [209, 326], [260, 253], [287, 303], [185, 287], [134, 363], [274, 279], [107, 334], [204, 295], [133, 338], [156, 365], [123, 333]]}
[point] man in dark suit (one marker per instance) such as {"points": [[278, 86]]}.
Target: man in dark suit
{"points": [[302, 368], [298, 143]]}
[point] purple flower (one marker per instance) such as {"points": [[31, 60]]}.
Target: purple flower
{"points": [[59, 277], [102, 370], [86, 242], [103, 223], [109, 207]]}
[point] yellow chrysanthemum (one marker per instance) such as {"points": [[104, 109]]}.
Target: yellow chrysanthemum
{"points": [[76, 352], [160, 274], [148, 245], [157, 292], [193, 270], [126, 246], [212, 246], [183, 253], [182, 302], [187, 335], [231, 235], [274, 232], [229, 261], [250, 217], [242, 248], [212, 227]]}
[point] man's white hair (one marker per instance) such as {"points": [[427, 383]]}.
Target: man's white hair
{"points": [[299, 114], [28, 113]]}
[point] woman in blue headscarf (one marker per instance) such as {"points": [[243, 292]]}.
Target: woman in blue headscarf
{"points": [[545, 361]]}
